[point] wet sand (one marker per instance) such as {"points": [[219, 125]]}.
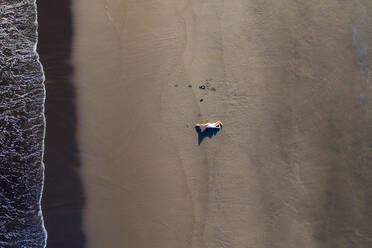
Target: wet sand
{"points": [[291, 84], [63, 197]]}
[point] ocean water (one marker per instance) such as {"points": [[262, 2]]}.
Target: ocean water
{"points": [[22, 124]]}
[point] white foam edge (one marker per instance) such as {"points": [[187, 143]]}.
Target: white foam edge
{"points": [[40, 213]]}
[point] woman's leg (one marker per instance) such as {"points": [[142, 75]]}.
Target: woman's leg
{"points": [[202, 125]]}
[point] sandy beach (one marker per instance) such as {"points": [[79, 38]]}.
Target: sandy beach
{"points": [[289, 79]]}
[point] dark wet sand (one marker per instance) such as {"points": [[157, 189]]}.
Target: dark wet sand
{"points": [[63, 197], [292, 86]]}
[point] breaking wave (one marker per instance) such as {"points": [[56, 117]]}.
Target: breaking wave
{"points": [[22, 124]]}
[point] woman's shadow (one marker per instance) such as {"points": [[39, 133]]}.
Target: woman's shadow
{"points": [[208, 132]]}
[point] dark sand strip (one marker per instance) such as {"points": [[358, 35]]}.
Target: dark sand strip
{"points": [[63, 197]]}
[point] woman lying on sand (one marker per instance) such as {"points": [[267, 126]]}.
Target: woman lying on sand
{"points": [[216, 124]]}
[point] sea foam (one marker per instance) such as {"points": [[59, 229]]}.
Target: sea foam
{"points": [[22, 127]]}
